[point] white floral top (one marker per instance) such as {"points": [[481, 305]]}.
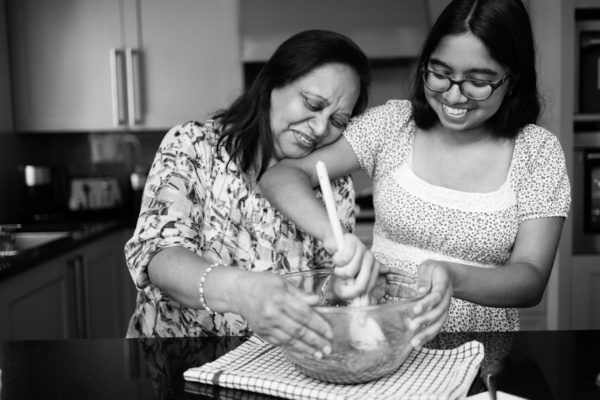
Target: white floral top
{"points": [[416, 221], [194, 199]]}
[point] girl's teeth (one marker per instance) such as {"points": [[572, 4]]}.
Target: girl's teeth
{"points": [[454, 111]]}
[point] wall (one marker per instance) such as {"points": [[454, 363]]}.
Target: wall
{"points": [[556, 70]]}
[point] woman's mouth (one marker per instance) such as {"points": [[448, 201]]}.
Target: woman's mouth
{"points": [[454, 112], [304, 140]]}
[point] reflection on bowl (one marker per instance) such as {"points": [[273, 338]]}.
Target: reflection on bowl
{"points": [[369, 342]]}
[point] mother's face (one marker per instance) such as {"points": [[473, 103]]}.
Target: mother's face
{"points": [[313, 110]]}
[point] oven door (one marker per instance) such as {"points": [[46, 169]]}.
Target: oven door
{"points": [[586, 202]]}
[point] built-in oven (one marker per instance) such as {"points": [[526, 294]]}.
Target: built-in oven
{"points": [[587, 61], [585, 206], [586, 193]]}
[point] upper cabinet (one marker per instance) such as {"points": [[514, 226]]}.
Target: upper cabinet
{"points": [[5, 101], [98, 65], [384, 29]]}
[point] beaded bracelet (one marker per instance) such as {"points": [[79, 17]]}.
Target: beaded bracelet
{"points": [[201, 286]]}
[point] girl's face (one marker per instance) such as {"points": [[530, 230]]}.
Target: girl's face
{"points": [[312, 111], [460, 57]]}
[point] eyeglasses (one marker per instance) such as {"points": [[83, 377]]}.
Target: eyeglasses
{"points": [[473, 89]]}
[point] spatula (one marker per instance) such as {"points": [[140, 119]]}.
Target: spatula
{"points": [[365, 333]]}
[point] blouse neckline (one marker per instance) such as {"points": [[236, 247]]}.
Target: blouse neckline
{"points": [[502, 189]]}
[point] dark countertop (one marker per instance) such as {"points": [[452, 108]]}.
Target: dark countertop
{"points": [[534, 365], [80, 233]]}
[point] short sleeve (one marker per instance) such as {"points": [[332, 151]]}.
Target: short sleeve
{"points": [[174, 197], [544, 190], [371, 133]]}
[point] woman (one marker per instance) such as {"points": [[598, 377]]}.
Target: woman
{"points": [[207, 242], [469, 192]]}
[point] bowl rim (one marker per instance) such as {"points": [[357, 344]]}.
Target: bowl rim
{"points": [[343, 310]]}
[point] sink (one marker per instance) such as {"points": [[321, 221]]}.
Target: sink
{"points": [[28, 240]]}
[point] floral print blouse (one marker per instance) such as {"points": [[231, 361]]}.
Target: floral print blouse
{"points": [[194, 198]]}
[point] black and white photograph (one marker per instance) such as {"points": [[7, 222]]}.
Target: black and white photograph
{"points": [[300, 199]]}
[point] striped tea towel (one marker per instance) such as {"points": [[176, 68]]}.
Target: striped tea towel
{"points": [[260, 367]]}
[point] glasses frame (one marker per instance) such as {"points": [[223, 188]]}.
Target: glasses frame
{"points": [[494, 84]]}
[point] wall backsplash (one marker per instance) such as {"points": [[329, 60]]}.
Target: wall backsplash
{"points": [[70, 149]]}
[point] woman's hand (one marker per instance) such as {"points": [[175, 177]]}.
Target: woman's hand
{"points": [[355, 266], [282, 314], [436, 283]]}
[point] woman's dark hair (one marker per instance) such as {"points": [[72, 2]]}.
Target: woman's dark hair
{"points": [[505, 29], [246, 123]]}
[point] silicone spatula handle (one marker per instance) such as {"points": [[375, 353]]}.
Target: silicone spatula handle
{"points": [[334, 221]]}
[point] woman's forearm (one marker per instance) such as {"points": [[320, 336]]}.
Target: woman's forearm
{"points": [[178, 271]]}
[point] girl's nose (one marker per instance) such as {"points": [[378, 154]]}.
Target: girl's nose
{"points": [[454, 95]]}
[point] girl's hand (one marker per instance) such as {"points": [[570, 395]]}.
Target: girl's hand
{"points": [[436, 282], [355, 266], [282, 314]]}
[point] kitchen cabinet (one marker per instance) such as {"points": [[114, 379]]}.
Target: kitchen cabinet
{"points": [[98, 65], [5, 100], [39, 303], [586, 292], [85, 293]]}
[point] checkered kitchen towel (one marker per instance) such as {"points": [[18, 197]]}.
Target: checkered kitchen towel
{"points": [[258, 366]]}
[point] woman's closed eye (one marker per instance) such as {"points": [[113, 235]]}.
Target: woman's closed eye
{"points": [[313, 105], [337, 121]]}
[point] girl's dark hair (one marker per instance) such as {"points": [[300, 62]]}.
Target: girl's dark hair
{"points": [[505, 29], [246, 124]]}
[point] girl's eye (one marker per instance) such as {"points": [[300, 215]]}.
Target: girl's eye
{"points": [[441, 75], [479, 83]]}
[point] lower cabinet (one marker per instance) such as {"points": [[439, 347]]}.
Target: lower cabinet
{"points": [[585, 292], [39, 303], [86, 293]]}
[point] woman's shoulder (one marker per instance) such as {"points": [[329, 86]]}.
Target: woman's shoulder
{"points": [[195, 131]]}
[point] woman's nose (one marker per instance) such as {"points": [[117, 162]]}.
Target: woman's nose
{"points": [[319, 125]]}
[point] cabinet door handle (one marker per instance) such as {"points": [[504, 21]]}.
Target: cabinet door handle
{"points": [[133, 86], [116, 75], [80, 326]]}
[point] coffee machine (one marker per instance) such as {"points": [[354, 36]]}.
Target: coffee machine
{"points": [[45, 192]]}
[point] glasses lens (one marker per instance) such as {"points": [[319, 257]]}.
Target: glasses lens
{"points": [[477, 90], [436, 82]]}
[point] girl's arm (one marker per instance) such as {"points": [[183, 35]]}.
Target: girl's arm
{"points": [[521, 282], [288, 185]]}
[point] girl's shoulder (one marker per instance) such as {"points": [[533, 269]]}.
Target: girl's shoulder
{"points": [[534, 141], [394, 110]]}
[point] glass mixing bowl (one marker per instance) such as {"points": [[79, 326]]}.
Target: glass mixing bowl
{"points": [[368, 342]]}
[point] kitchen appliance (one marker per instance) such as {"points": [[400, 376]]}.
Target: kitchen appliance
{"points": [[94, 193], [588, 60], [586, 193], [44, 192]]}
